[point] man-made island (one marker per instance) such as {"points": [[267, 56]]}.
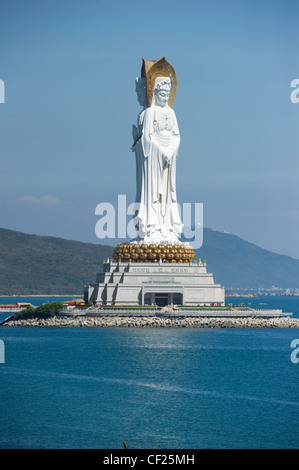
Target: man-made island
{"points": [[56, 314]]}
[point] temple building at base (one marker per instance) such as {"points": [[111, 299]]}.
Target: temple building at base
{"points": [[129, 283]]}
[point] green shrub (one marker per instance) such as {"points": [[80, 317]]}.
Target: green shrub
{"points": [[49, 310]]}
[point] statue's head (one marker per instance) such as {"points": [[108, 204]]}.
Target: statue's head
{"points": [[161, 91], [141, 91], [156, 71]]}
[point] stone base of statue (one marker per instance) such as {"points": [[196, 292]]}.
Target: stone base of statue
{"points": [[154, 283]]}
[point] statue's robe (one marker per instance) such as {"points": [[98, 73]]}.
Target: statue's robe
{"points": [[156, 180]]}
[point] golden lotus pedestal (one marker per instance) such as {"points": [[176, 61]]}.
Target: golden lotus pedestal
{"points": [[146, 253]]}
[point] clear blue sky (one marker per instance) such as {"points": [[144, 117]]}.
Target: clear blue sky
{"points": [[65, 129]]}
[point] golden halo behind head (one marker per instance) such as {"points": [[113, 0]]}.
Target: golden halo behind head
{"points": [[151, 69]]}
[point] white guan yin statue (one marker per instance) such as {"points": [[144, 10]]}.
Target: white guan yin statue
{"points": [[156, 145]]}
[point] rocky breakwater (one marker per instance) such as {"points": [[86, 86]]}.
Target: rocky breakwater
{"points": [[106, 321]]}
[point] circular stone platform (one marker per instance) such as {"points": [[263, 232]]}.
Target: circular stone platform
{"points": [[143, 253]]}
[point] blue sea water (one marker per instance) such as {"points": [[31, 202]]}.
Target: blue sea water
{"points": [[176, 388]]}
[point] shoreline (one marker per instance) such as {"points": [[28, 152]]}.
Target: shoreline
{"points": [[66, 321], [228, 295], [42, 295]]}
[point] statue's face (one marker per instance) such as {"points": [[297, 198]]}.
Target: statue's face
{"points": [[162, 96]]}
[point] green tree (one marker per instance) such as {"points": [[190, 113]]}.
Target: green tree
{"points": [[49, 310]]}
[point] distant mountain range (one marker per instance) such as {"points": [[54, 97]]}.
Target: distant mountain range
{"points": [[237, 263], [33, 264]]}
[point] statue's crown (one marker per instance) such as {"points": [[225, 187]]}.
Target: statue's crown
{"points": [[163, 83]]}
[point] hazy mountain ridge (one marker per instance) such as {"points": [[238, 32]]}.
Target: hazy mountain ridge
{"points": [[239, 263], [33, 264]]}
